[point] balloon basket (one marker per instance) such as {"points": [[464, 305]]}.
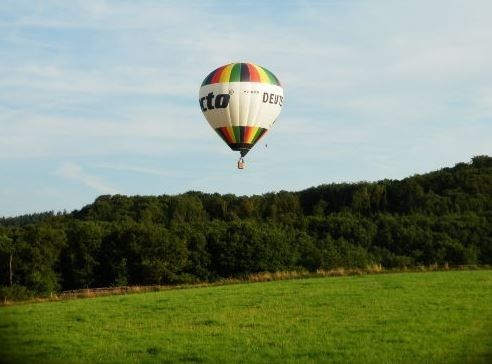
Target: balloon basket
{"points": [[241, 164]]}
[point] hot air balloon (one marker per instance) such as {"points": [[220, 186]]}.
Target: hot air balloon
{"points": [[241, 102]]}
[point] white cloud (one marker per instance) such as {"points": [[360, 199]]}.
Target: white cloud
{"points": [[151, 130], [136, 169], [117, 81], [95, 14], [73, 171]]}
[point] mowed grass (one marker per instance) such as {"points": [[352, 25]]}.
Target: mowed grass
{"points": [[437, 317]]}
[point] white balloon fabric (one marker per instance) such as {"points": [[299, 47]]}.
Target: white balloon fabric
{"points": [[241, 102]]}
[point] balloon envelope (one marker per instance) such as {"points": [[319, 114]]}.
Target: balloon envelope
{"points": [[241, 102]]}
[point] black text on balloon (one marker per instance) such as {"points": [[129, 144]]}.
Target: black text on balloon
{"points": [[214, 102], [273, 98]]}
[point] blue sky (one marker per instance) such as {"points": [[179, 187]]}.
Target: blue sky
{"points": [[100, 97]]}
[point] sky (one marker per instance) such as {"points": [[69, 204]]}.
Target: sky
{"points": [[101, 97]]}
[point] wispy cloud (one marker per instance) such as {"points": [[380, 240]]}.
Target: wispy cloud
{"points": [[74, 172], [136, 169]]}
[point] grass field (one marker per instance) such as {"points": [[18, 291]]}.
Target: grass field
{"points": [[438, 317]]}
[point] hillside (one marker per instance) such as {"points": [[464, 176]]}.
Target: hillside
{"points": [[440, 217]]}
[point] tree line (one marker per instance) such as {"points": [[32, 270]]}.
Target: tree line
{"points": [[440, 217]]}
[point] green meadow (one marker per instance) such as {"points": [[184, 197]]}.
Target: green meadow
{"points": [[433, 317]]}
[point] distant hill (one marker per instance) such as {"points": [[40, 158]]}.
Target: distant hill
{"points": [[439, 217]]}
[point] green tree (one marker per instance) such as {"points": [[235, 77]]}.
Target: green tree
{"points": [[7, 247], [79, 257], [38, 257]]}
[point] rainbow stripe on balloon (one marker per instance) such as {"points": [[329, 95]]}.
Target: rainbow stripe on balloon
{"points": [[241, 137], [241, 72]]}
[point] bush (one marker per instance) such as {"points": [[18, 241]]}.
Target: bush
{"points": [[15, 293]]}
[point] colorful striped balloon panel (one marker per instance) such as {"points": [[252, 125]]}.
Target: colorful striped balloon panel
{"points": [[241, 72], [241, 137]]}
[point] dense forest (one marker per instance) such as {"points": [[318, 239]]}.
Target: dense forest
{"points": [[439, 217]]}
